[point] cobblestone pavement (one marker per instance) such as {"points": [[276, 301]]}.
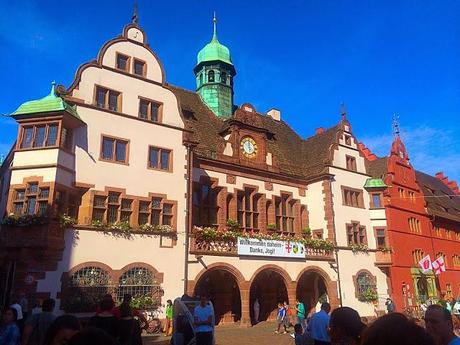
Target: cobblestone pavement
{"points": [[260, 334]]}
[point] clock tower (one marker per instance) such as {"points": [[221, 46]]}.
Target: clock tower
{"points": [[214, 74]]}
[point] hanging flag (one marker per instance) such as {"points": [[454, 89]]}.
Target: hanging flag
{"points": [[426, 264], [438, 265]]}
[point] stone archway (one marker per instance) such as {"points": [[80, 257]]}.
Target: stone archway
{"points": [[269, 286], [224, 292], [313, 286]]}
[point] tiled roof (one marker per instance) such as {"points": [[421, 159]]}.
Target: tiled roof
{"points": [[377, 168], [440, 199], [294, 155]]}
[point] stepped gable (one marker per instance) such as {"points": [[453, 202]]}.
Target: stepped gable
{"points": [[378, 168], [295, 157], [445, 203]]}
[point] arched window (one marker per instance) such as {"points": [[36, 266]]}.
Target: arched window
{"points": [[211, 76], [86, 288], [366, 288], [223, 77], [140, 283]]}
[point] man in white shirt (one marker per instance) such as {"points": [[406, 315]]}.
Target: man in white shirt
{"points": [[203, 316]]}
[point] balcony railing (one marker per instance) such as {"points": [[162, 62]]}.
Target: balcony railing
{"points": [[228, 247]]}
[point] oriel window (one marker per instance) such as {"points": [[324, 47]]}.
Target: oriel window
{"points": [[40, 135]]}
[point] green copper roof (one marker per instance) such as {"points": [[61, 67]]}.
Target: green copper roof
{"points": [[214, 50], [375, 183], [50, 103]]}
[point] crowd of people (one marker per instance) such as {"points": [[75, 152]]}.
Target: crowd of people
{"points": [[120, 325], [344, 326]]}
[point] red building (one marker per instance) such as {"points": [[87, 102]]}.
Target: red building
{"points": [[423, 218]]}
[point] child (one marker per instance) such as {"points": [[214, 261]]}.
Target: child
{"points": [[280, 318]]}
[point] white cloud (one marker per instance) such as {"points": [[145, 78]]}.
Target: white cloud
{"points": [[430, 149]]}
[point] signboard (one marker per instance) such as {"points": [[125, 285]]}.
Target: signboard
{"points": [[270, 248]]}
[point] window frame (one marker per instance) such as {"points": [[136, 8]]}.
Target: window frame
{"points": [[251, 211], [379, 195], [285, 219], [128, 62], [149, 110], [115, 140], [206, 206], [350, 163], [34, 125], [385, 237], [160, 150], [144, 69], [349, 201], [357, 232], [29, 195], [107, 98]]}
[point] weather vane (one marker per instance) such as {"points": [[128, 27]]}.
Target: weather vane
{"points": [[343, 110], [135, 14], [395, 125]]}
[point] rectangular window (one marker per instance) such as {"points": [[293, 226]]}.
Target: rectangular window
{"points": [[43, 135], [205, 206], [401, 193], [123, 62], [149, 110], [139, 67], [160, 159], [108, 99], [356, 234], [351, 163], [352, 197], [114, 150], [380, 238], [31, 202], [376, 200], [66, 138]]}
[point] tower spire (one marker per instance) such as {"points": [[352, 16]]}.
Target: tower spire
{"points": [[343, 111], [135, 12], [214, 21], [395, 125]]}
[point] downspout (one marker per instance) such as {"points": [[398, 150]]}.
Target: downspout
{"points": [[188, 218], [336, 250]]}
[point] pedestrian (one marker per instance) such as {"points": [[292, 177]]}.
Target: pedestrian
{"points": [[105, 320], [256, 309], [287, 318], [390, 305], [345, 327], [203, 316], [281, 315], [24, 303], [37, 325], [319, 324], [115, 311], [300, 337], [20, 320], [127, 298], [9, 331], [129, 329], [91, 336], [395, 329], [61, 330], [439, 325], [300, 308], [169, 318]]}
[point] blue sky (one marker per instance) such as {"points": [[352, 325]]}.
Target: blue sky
{"points": [[303, 57]]}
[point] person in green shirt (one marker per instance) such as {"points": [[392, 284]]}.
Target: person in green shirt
{"points": [[300, 308], [169, 318]]}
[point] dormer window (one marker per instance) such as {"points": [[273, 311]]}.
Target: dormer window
{"points": [[139, 67], [211, 76], [123, 62], [223, 77]]}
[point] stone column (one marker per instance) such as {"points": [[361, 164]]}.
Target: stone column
{"points": [[245, 304]]}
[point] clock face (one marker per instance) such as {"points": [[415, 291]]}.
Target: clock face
{"points": [[249, 147]]}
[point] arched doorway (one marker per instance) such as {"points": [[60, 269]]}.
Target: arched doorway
{"points": [[311, 289], [222, 288], [269, 288]]}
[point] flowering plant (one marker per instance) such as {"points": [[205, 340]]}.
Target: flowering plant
{"points": [[370, 295], [355, 248], [24, 220], [66, 221]]}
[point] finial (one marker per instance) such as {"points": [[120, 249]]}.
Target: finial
{"points": [[53, 87], [395, 125], [214, 21], [343, 111], [135, 14]]}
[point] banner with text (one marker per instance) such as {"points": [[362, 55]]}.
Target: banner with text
{"points": [[270, 248]]}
